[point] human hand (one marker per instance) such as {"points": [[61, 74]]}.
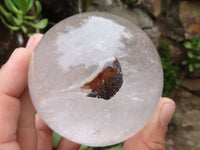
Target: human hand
{"points": [[20, 128], [152, 136]]}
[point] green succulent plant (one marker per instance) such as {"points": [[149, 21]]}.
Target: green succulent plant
{"points": [[193, 54], [16, 15], [171, 75]]}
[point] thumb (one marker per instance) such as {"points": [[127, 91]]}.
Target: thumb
{"points": [[156, 129], [152, 136]]}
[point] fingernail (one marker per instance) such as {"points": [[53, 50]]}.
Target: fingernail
{"points": [[30, 43], [167, 113]]}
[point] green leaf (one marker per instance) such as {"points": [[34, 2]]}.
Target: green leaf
{"points": [[185, 62], [118, 147], [13, 20], [190, 54], [188, 45], [191, 68], [197, 65], [19, 21], [198, 45], [194, 40], [16, 3], [40, 25], [12, 7], [164, 46], [197, 57], [30, 34], [38, 8], [83, 147], [22, 5], [24, 29], [56, 139], [14, 28], [30, 5], [7, 15]]}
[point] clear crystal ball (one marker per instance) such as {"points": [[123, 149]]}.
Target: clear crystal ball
{"points": [[95, 79]]}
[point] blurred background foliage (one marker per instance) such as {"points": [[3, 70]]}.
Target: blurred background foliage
{"points": [[16, 15]]}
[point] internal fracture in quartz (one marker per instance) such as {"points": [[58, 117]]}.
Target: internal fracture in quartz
{"points": [[107, 82]]}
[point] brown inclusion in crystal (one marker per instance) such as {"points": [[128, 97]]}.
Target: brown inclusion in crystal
{"points": [[107, 82]]}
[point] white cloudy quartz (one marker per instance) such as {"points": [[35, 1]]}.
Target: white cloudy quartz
{"points": [[73, 53]]}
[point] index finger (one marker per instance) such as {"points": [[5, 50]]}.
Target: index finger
{"points": [[13, 81]]}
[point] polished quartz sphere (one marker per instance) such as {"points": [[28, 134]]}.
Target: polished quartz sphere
{"points": [[95, 79]]}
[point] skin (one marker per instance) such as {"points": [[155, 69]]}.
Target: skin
{"points": [[22, 129]]}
